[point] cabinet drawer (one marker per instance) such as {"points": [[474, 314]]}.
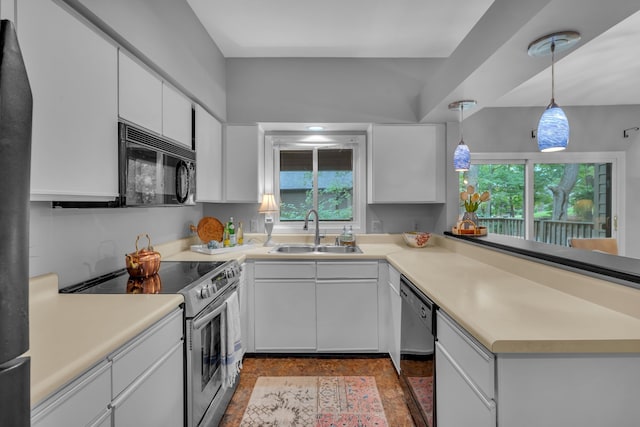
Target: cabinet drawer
{"points": [[458, 400], [477, 362], [348, 270], [140, 353], [285, 270], [78, 403]]}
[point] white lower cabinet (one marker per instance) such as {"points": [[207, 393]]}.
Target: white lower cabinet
{"points": [[156, 397], [81, 403], [140, 384], [465, 373], [147, 375], [310, 306], [347, 313], [395, 317], [285, 315], [347, 306]]}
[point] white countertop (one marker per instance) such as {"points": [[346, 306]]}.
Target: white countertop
{"points": [[70, 333], [511, 305]]}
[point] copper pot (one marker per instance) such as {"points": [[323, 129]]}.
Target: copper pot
{"points": [[144, 285], [143, 262]]}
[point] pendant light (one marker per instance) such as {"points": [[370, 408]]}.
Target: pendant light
{"points": [[553, 127], [462, 155]]}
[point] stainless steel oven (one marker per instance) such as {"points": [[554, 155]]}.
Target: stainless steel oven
{"points": [[417, 361], [206, 345]]}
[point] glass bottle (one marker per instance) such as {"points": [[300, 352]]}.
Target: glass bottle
{"points": [[240, 234], [232, 232]]}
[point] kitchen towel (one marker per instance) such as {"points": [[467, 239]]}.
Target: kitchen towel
{"points": [[232, 360]]}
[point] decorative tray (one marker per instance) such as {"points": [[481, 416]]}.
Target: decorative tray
{"points": [[473, 231], [203, 249]]}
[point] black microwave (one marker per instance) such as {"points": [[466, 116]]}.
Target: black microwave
{"points": [[153, 170]]}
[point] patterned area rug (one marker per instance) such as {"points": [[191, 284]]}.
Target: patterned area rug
{"points": [[423, 390], [314, 401]]}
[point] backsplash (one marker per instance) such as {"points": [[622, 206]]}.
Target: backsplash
{"points": [[79, 244]]}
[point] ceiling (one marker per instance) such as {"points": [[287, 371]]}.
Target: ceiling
{"points": [[339, 28], [484, 41]]}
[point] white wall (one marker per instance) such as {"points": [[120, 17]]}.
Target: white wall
{"points": [[394, 218], [79, 244], [325, 89]]}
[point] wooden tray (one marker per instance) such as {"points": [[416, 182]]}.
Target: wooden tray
{"points": [[473, 231], [210, 228]]}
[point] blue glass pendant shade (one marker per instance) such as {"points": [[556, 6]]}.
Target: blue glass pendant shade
{"points": [[553, 129], [462, 157]]}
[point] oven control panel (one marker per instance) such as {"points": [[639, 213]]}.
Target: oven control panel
{"points": [[208, 289]]}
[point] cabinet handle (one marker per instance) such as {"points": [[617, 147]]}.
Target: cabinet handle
{"points": [[143, 377], [490, 404]]}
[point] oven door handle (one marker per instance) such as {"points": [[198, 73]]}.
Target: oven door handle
{"points": [[200, 322]]}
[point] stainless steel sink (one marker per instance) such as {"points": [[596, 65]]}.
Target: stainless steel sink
{"points": [[339, 249], [293, 249], [301, 249]]}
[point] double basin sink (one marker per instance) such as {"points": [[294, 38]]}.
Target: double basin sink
{"points": [[314, 249]]}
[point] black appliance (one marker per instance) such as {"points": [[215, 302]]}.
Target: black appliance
{"points": [[152, 171], [417, 346], [205, 286], [15, 173]]}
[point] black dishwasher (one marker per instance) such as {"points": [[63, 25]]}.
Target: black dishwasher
{"points": [[417, 361]]}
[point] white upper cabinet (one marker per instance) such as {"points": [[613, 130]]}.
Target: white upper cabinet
{"points": [[407, 164], [73, 74], [144, 99], [140, 94], [208, 157], [176, 116], [243, 163]]}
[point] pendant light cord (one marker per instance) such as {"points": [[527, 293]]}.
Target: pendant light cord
{"points": [[553, 77], [461, 125]]}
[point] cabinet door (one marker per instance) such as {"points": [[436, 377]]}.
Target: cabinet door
{"points": [[79, 403], [73, 75], [208, 156], [407, 164], [155, 398], [285, 315], [347, 315], [176, 116], [139, 354], [140, 94], [395, 309], [243, 155], [460, 403]]}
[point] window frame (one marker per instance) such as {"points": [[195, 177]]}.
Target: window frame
{"points": [[618, 184], [272, 172]]}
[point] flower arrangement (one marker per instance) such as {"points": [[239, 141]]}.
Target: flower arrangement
{"points": [[472, 200]]}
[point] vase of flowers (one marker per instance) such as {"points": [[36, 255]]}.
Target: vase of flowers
{"points": [[471, 201]]}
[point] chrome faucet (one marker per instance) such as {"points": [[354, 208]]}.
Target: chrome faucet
{"points": [[316, 240]]}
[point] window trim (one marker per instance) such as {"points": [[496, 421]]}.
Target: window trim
{"points": [[272, 168], [618, 185]]}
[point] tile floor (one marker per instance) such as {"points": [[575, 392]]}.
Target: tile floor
{"points": [[387, 380]]}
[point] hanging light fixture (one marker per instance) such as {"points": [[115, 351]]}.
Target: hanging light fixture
{"points": [[462, 155], [553, 127]]}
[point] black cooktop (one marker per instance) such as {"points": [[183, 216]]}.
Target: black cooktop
{"points": [[172, 277]]}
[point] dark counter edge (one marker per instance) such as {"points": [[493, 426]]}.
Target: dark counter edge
{"points": [[614, 268]]}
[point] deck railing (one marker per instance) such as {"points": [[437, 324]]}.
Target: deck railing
{"points": [[546, 231]]}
